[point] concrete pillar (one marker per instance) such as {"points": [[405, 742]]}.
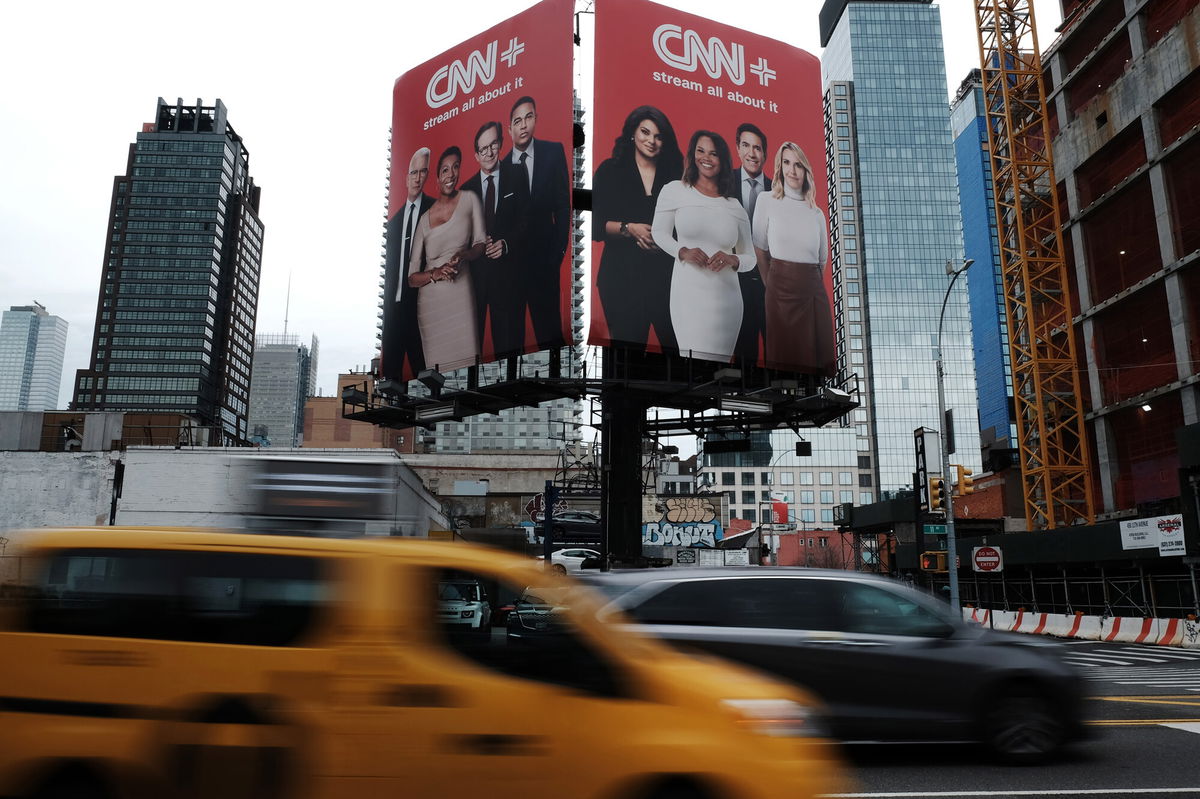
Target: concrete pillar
{"points": [[1106, 458]]}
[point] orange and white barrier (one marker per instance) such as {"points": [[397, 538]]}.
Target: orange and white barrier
{"points": [[1126, 629]]}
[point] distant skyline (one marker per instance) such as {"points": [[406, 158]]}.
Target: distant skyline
{"points": [[309, 90]]}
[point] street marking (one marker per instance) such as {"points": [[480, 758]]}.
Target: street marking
{"points": [[1146, 700], [1186, 726], [1137, 722], [1087, 792]]}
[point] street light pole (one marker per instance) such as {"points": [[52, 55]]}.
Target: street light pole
{"points": [[947, 489]]}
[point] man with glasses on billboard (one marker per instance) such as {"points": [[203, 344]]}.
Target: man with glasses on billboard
{"points": [[544, 165], [401, 336], [497, 282]]}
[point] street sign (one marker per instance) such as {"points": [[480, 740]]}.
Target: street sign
{"points": [[987, 559], [935, 529]]}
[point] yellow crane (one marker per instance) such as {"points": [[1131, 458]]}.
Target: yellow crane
{"points": [[1051, 432]]}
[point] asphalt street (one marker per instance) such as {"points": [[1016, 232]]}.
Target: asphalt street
{"points": [[1143, 711]]}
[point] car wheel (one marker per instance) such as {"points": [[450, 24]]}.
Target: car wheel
{"points": [[1022, 726], [558, 567]]}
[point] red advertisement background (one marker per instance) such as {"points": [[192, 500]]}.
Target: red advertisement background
{"points": [[543, 70], [626, 63]]}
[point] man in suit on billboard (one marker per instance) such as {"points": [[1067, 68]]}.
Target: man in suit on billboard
{"points": [[401, 337], [751, 182], [504, 191], [548, 220]]}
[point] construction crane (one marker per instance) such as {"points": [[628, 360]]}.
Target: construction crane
{"points": [[1051, 434]]}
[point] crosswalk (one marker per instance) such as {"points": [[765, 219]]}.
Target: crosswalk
{"points": [[1147, 666]]}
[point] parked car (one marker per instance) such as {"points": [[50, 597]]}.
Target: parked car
{"points": [[571, 560], [532, 615], [463, 606], [889, 661], [576, 527], [176, 663]]}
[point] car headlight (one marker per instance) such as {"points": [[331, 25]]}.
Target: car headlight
{"points": [[466, 614], [778, 718]]}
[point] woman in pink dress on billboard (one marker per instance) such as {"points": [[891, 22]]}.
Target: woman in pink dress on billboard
{"points": [[449, 236], [700, 221], [790, 244]]}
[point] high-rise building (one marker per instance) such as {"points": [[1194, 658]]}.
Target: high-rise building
{"points": [[989, 326], [179, 287], [894, 225], [285, 376], [1123, 105], [32, 344]]}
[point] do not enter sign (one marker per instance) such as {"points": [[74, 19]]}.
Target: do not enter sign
{"points": [[987, 559]]}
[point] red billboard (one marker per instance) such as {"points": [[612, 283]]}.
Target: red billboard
{"points": [[479, 206], [709, 198]]}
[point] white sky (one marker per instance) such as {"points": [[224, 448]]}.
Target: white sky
{"points": [[308, 87]]}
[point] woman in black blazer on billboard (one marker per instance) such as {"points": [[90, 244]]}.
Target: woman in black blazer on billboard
{"points": [[634, 277]]}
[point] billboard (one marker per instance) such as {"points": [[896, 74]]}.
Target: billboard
{"points": [[479, 206], [708, 222]]}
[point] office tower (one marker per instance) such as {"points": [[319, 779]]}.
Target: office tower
{"points": [[179, 289], [285, 376], [1123, 103], [32, 344], [894, 225], [989, 327]]}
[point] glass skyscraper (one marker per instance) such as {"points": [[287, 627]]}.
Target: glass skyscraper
{"points": [[32, 345], [179, 289], [285, 376], [894, 224], [989, 327]]}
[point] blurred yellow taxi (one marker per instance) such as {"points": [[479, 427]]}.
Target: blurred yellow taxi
{"points": [[168, 662]]}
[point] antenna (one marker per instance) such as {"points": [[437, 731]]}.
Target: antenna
{"points": [[287, 306]]}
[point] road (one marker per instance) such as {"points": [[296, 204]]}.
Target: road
{"points": [[1144, 711]]}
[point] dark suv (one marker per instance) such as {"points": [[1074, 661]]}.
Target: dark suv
{"points": [[890, 662]]}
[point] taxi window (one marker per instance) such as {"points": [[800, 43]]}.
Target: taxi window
{"points": [[211, 597], [530, 637]]}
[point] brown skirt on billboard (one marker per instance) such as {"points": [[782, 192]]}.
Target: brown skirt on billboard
{"points": [[799, 331]]}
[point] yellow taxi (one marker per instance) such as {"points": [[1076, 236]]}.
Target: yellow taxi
{"points": [[168, 662]]}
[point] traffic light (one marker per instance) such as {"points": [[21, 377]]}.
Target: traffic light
{"points": [[965, 484], [937, 493], [933, 561]]}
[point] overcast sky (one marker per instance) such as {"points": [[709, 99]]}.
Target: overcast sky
{"points": [[308, 87]]}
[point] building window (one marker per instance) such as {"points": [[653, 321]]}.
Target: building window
{"points": [[826, 497], [728, 478], [807, 497], [826, 478], [823, 541], [749, 515], [747, 478], [748, 498], [787, 478], [846, 496], [806, 478], [808, 515]]}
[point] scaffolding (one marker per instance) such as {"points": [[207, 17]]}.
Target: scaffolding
{"points": [[1051, 432]]}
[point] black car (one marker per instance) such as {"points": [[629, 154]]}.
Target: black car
{"points": [[576, 527], [890, 662], [532, 615]]}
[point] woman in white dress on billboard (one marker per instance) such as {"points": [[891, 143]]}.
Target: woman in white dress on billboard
{"points": [[449, 236], [700, 221]]}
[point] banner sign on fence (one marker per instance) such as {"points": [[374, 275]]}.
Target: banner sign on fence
{"points": [[1163, 532]]}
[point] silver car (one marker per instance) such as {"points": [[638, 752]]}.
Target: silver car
{"points": [[890, 662]]}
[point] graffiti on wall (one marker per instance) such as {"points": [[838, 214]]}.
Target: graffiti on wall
{"points": [[693, 521]]}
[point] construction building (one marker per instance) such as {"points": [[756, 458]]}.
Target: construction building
{"points": [[1123, 106]]}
